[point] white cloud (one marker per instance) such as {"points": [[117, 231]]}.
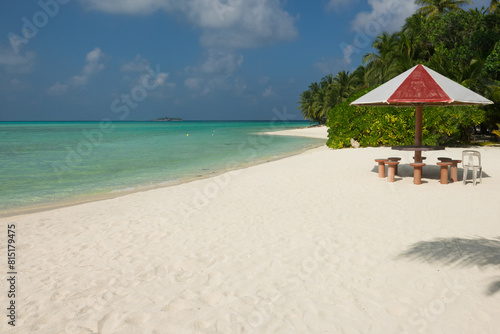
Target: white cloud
{"points": [[220, 62], [243, 24], [143, 66], [347, 52], [336, 5], [333, 65], [240, 85], [386, 15], [215, 72], [92, 67], [15, 62], [224, 23], [19, 85], [58, 89], [139, 64], [143, 72], [205, 85], [131, 7], [224, 26], [264, 79], [162, 77], [268, 92], [193, 83]]}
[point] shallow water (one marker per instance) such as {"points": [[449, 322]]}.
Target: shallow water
{"points": [[45, 164]]}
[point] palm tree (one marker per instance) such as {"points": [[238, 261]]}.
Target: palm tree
{"points": [[326, 98], [307, 102], [493, 5], [416, 28], [320, 105], [386, 44], [382, 65], [326, 82], [436, 7], [493, 88], [414, 25], [466, 72], [362, 76], [319, 99], [405, 52], [345, 83]]}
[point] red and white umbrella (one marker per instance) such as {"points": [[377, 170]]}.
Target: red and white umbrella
{"points": [[420, 86]]}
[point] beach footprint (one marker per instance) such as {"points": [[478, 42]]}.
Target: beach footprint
{"points": [[138, 318], [109, 323]]}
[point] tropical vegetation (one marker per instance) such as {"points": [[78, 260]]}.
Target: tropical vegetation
{"points": [[497, 132], [389, 126], [431, 8], [463, 45]]}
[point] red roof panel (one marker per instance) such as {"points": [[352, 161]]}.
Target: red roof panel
{"points": [[419, 87]]}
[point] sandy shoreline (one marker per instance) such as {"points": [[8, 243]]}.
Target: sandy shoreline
{"points": [[320, 132], [312, 243], [310, 132]]}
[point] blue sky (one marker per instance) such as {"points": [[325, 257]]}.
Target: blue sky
{"points": [[195, 59]]}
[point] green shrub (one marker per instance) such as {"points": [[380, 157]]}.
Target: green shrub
{"points": [[389, 126], [451, 125], [497, 132]]}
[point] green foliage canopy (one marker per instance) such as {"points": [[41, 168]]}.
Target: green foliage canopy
{"points": [[462, 45], [389, 126], [437, 7]]}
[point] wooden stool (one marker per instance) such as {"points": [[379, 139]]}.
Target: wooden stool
{"points": [[392, 170], [444, 171], [417, 172], [381, 167], [454, 170], [394, 159], [444, 159]]}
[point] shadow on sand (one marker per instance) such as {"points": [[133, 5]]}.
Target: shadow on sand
{"points": [[461, 252]]}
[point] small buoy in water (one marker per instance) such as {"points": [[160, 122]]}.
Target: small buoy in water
{"points": [[187, 135]]}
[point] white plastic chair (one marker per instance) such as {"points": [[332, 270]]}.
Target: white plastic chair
{"points": [[471, 160]]}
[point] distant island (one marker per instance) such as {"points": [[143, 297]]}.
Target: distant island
{"points": [[168, 119]]}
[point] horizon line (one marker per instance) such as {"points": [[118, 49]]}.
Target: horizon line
{"points": [[132, 121]]}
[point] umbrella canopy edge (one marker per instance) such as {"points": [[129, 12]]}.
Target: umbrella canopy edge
{"points": [[456, 93]]}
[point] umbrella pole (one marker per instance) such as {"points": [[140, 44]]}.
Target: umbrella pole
{"points": [[418, 132]]}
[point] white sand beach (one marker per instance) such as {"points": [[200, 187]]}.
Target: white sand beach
{"points": [[313, 243], [320, 132]]}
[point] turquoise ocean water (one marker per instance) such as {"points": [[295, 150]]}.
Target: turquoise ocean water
{"points": [[45, 164]]}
